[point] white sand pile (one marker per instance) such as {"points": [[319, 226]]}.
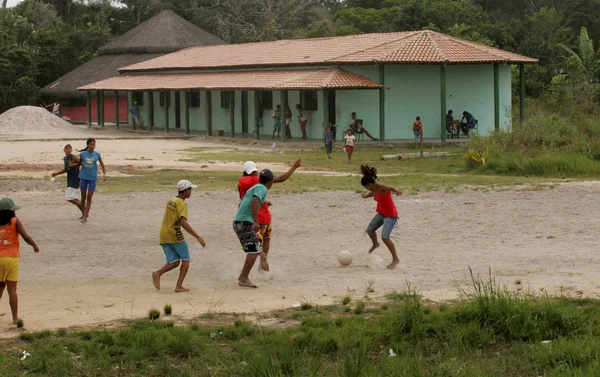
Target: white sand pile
{"points": [[35, 121]]}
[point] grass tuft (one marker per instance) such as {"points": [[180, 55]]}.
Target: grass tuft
{"points": [[153, 314], [168, 309]]}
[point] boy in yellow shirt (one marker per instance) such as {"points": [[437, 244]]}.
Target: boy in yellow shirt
{"points": [[171, 236]]}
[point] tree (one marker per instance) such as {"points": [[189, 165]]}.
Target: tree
{"points": [[259, 20], [583, 67]]}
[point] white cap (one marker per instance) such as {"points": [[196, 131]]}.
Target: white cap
{"points": [[184, 185], [249, 167]]}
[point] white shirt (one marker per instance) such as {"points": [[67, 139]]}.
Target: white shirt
{"points": [[349, 140]]}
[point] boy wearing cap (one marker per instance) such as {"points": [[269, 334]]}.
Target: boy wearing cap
{"points": [[71, 167], [171, 237], [10, 229], [250, 179], [246, 224]]}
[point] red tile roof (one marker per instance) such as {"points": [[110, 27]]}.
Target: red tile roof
{"points": [[413, 47], [299, 79]]}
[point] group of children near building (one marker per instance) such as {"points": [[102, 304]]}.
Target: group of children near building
{"points": [[252, 222]]}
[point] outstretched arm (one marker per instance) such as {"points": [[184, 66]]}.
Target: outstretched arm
{"points": [[188, 228], [59, 173], [368, 195], [390, 188], [288, 174], [26, 237]]}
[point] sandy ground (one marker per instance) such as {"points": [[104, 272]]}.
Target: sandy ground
{"points": [[100, 272]]}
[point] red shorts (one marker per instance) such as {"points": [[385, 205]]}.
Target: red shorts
{"points": [[349, 149]]}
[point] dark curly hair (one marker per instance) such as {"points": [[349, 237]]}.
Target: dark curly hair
{"points": [[369, 175], [6, 216]]}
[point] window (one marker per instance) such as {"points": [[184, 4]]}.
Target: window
{"points": [[226, 99], [266, 98], [309, 100], [194, 98], [75, 102], [139, 98]]}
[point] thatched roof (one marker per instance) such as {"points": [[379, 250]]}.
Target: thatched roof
{"points": [[162, 34]]}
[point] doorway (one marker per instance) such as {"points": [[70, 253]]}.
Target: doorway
{"points": [[244, 112], [331, 101], [177, 110]]}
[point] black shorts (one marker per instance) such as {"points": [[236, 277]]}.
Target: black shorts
{"points": [[247, 236]]}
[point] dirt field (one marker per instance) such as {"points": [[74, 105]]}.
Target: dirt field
{"points": [[100, 272]]}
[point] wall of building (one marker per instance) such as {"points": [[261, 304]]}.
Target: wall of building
{"points": [[364, 102], [79, 113]]}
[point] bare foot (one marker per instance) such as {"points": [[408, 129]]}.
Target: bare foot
{"points": [[84, 220], [393, 265], [375, 246], [80, 217], [246, 283], [264, 265], [15, 321], [156, 280], [181, 289]]}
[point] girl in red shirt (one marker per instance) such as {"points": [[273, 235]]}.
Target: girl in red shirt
{"points": [[387, 214]]}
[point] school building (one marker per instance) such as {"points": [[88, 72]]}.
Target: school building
{"points": [[386, 78]]}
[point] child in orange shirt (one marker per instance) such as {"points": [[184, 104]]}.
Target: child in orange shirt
{"points": [[418, 131], [10, 229]]}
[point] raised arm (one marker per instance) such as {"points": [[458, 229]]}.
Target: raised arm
{"points": [[288, 174], [26, 237], [188, 228]]}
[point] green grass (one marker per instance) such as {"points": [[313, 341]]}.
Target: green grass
{"points": [[490, 332]]}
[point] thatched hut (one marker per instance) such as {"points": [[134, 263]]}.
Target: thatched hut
{"points": [[163, 34]]}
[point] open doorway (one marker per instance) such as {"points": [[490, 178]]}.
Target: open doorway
{"points": [[177, 110], [332, 106], [244, 112]]}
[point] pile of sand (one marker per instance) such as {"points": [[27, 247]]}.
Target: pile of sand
{"points": [[35, 121]]}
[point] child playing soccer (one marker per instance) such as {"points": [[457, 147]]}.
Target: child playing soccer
{"points": [[246, 224], [88, 160], [417, 128], [387, 214], [349, 143], [328, 142], [71, 167], [10, 229], [250, 179], [171, 237]]}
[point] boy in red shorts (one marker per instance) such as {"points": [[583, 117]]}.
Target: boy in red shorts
{"points": [[249, 179]]}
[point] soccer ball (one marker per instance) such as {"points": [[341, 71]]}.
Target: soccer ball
{"points": [[345, 258]]}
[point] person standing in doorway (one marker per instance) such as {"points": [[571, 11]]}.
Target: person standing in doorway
{"points": [[137, 117], [302, 121], [71, 167], [288, 121], [276, 121]]}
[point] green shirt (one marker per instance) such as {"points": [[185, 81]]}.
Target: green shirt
{"points": [[244, 212]]}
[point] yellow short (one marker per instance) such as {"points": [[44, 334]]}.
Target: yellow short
{"points": [[9, 269], [265, 232]]}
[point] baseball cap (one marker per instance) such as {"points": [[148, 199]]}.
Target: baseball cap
{"points": [[265, 175], [184, 185], [7, 204], [250, 167]]}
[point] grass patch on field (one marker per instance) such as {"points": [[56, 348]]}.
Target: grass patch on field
{"points": [[317, 160], [490, 332], [166, 180]]}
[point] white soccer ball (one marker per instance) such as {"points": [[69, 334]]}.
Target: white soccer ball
{"points": [[345, 257]]}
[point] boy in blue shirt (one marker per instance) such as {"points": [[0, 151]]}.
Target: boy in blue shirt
{"points": [[246, 224], [328, 141]]}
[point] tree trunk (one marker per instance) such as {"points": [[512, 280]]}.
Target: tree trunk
{"points": [[4, 2]]}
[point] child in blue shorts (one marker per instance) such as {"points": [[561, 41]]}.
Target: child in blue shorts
{"points": [[171, 237], [88, 175]]}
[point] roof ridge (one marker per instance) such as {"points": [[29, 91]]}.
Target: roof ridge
{"points": [[291, 79], [409, 35], [436, 47], [480, 46], [331, 76]]}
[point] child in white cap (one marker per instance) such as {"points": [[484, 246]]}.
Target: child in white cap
{"points": [[171, 236]]}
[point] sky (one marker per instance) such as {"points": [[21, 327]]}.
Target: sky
{"points": [[12, 3]]}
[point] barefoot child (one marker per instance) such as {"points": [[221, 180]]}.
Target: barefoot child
{"points": [[417, 128], [10, 229], [387, 214], [250, 179], [328, 142], [88, 160], [246, 224], [171, 237], [71, 167], [349, 143]]}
